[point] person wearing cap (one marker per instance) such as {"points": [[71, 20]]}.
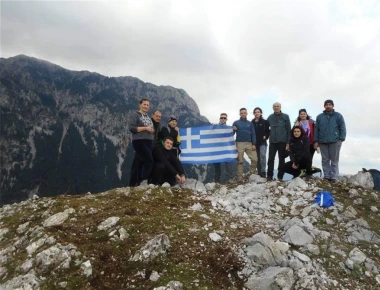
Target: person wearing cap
{"points": [[330, 132], [171, 130], [166, 166], [227, 165], [279, 140], [245, 143], [307, 124]]}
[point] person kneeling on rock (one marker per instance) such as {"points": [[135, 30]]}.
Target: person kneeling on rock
{"points": [[166, 166], [299, 154]]}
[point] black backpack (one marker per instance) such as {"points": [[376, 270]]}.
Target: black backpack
{"points": [[375, 176]]}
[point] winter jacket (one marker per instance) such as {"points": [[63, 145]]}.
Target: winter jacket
{"points": [[312, 128], [169, 159], [137, 119], [329, 128], [299, 149], [279, 128], [261, 130], [245, 131], [171, 132], [157, 130]]}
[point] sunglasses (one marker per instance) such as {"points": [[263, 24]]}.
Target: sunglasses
{"points": [[222, 118]]}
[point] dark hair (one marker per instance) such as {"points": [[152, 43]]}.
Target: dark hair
{"points": [[168, 137], [242, 109], [299, 112], [155, 111], [297, 127], [223, 114], [261, 111], [143, 100]]}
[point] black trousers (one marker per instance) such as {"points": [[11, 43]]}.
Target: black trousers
{"points": [[282, 154], [303, 164], [160, 175]]}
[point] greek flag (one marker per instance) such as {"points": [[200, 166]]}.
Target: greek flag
{"points": [[207, 144]]}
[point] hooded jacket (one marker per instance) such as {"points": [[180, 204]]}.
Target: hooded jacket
{"points": [[137, 119], [261, 130]]}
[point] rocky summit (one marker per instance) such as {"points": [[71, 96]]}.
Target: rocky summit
{"points": [[257, 235]]}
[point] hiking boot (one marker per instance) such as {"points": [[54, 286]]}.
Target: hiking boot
{"points": [[326, 179], [269, 178], [333, 180], [263, 175]]}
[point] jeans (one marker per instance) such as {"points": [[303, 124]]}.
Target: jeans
{"points": [[273, 149], [261, 158], [330, 159], [227, 170], [143, 153]]}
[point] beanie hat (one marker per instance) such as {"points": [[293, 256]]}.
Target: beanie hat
{"points": [[172, 118], [329, 101]]}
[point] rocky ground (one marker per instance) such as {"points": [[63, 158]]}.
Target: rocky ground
{"points": [[259, 235]]}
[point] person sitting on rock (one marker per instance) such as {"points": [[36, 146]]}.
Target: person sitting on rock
{"points": [[300, 157], [166, 166], [172, 131]]}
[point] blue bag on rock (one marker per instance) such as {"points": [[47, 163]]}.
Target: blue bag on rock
{"points": [[324, 199]]}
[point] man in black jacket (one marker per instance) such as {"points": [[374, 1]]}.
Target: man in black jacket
{"points": [[166, 166], [172, 131]]}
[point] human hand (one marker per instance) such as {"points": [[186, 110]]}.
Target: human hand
{"points": [[294, 166], [253, 147], [287, 147], [177, 129], [183, 179], [234, 128], [315, 145]]}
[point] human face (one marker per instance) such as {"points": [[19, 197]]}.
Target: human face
{"points": [[296, 132], [223, 119], [303, 116], [329, 107], [168, 144], [277, 108], [243, 114], [144, 106], [257, 114], [157, 116], [173, 123]]}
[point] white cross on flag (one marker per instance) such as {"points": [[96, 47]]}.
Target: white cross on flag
{"points": [[207, 144]]}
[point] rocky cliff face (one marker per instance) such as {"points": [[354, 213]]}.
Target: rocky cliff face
{"points": [[258, 235], [66, 131]]}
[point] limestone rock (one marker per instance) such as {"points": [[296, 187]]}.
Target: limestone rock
{"points": [[297, 236], [56, 220], [271, 278], [152, 249]]}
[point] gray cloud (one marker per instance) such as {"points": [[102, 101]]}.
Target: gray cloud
{"points": [[226, 55]]}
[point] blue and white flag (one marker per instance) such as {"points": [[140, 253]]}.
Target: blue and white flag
{"points": [[207, 144]]}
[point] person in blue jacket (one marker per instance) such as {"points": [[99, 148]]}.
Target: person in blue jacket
{"points": [[330, 132], [245, 143]]}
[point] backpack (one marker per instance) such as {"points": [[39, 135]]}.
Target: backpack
{"points": [[324, 199], [375, 176]]}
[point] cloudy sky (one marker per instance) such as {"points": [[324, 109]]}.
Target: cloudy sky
{"points": [[225, 54]]}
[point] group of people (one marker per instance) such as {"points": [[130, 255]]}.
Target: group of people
{"points": [[156, 148], [299, 143]]}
